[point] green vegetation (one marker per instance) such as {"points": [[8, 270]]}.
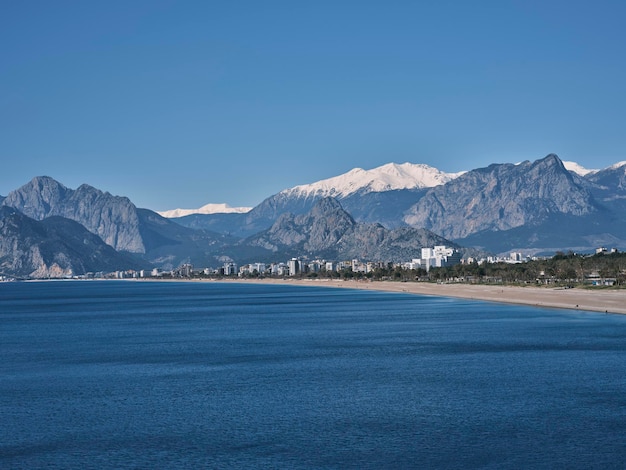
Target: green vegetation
{"points": [[564, 269]]}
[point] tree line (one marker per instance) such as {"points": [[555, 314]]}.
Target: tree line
{"points": [[562, 269]]}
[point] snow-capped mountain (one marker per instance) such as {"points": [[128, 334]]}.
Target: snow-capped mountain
{"points": [[610, 182], [380, 195], [389, 177], [579, 169], [617, 166], [206, 209], [540, 207], [544, 205]]}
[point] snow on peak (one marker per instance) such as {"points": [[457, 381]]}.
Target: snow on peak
{"points": [[578, 169], [206, 209], [617, 165], [392, 176]]}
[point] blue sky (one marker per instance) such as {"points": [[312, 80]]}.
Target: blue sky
{"points": [[182, 103]]}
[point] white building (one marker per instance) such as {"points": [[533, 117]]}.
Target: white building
{"points": [[258, 267], [359, 267], [230, 269], [294, 266], [415, 263], [438, 257]]}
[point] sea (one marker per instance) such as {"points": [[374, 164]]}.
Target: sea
{"points": [[165, 375]]}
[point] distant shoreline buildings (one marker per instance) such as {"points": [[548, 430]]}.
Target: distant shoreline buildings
{"points": [[438, 257]]}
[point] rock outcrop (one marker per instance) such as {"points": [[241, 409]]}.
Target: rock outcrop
{"points": [[118, 222], [114, 219], [328, 231], [55, 247], [502, 197]]}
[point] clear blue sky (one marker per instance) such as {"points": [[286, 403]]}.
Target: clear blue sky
{"points": [[182, 103]]}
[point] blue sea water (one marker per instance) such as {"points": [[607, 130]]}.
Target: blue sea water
{"points": [[223, 375]]}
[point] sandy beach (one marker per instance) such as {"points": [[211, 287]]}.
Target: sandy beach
{"points": [[601, 300]]}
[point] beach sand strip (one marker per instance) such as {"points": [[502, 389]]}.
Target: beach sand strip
{"points": [[596, 300]]}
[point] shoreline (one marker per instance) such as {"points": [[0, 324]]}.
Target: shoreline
{"points": [[575, 299], [604, 301]]}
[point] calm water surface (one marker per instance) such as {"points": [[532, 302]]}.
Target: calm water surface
{"points": [[220, 375]]}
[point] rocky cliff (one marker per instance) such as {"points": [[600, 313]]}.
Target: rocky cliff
{"points": [[55, 247], [114, 219], [609, 186], [328, 231], [497, 208], [502, 197], [119, 223]]}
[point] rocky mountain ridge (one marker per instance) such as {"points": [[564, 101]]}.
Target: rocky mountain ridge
{"points": [[391, 187], [59, 247], [118, 222], [388, 177], [327, 231], [509, 200], [55, 247], [114, 219], [501, 197], [534, 207]]}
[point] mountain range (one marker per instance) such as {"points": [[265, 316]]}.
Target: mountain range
{"points": [[152, 239], [327, 231], [54, 247], [379, 195], [537, 207], [387, 213], [145, 239]]}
